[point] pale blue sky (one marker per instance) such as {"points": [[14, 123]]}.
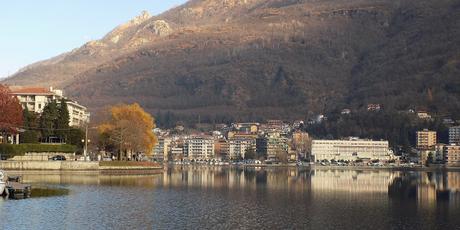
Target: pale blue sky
{"points": [[35, 30]]}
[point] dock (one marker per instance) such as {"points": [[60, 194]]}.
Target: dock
{"points": [[18, 190]]}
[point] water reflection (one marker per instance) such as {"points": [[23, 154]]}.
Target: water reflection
{"points": [[200, 197], [90, 178], [427, 188]]}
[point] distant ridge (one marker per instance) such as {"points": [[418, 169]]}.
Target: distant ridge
{"points": [[254, 59]]}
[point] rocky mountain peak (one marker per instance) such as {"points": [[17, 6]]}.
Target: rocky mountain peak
{"points": [[144, 16]]}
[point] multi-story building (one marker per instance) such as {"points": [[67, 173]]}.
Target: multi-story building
{"points": [[453, 155], [221, 149], [199, 148], [350, 150], [176, 153], [246, 127], [440, 153], [426, 139], [271, 145], [78, 114], [36, 98], [454, 135], [238, 146], [424, 115], [161, 149]]}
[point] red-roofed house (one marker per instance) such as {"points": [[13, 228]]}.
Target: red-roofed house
{"points": [[35, 99]]}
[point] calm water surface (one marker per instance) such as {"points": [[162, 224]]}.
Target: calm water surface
{"points": [[229, 198]]}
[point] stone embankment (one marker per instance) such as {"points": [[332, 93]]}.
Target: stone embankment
{"points": [[70, 166]]}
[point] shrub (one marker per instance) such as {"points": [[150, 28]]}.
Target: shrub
{"points": [[9, 151]]}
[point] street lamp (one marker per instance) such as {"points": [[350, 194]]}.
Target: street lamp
{"points": [[86, 141]]}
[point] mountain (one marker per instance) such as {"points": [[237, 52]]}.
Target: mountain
{"points": [[259, 59]]}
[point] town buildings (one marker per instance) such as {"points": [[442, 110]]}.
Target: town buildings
{"points": [[221, 149], [36, 98], [350, 150], [176, 152], [424, 115], [161, 149], [238, 147], [454, 135], [373, 107], [453, 155], [199, 148], [426, 139], [271, 145]]}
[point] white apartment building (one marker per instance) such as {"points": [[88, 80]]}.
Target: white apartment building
{"points": [[199, 148], [454, 135], [78, 114], [238, 147], [36, 98], [350, 150]]}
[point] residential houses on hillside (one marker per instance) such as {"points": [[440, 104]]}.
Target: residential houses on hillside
{"points": [[276, 141]]}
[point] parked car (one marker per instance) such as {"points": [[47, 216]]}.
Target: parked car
{"points": [[58, 158]]}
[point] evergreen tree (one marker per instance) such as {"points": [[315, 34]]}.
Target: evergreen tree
{"points": [[30, 135], [48, 119], [62, 120]]}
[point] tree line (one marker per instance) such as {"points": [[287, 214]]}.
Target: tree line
{"points": [[52, 125]]}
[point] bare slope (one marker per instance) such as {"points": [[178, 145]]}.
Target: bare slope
{"points": [[269, 58]]}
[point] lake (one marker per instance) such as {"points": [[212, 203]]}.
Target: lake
{"points": [[200, 197]]}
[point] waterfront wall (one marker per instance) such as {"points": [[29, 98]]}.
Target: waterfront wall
{"points": [[49, 165], [71, 166]]}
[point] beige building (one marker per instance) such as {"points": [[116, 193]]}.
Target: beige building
{"points": [[78, 114], [426, 139], [221, 149], [161, 149], [271, 145], [237, 147], [453, 155], [199, 148], [350, 150], [36, 98]]}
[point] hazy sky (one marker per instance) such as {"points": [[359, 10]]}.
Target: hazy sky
{"points": [[35, 30]]}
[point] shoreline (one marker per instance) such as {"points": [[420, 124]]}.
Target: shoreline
{"points": [[76, 166], [321, 167]]}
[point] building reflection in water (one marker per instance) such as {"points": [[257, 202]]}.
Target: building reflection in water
{"points": [[426, 189], [429, 189]]}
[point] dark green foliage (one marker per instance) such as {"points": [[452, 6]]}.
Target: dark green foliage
{"points": [[9, 151], [30, 135], [62, 120], [48, 119], [250, 154], [75, 136]]}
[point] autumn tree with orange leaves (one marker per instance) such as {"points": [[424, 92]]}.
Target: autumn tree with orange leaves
{"points": [[129, 130], [10, 112]]}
